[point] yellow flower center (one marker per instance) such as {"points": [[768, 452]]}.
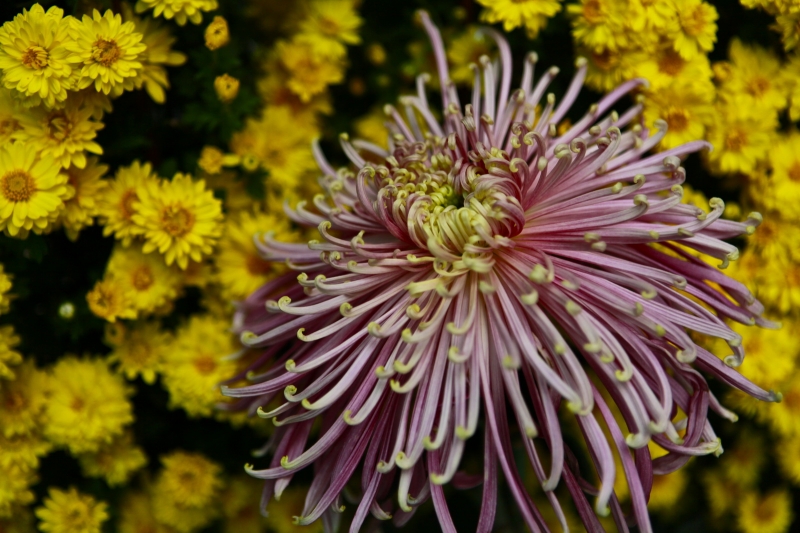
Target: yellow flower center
{"points": [[142, 278], [329, 27], [605, 60], [694, 22], [205, 364], [593, 12], [257, 266], [139, 354], [105, 52], [9, 126], [126, 203], [736, 140], [794, 172], [77, 519], [677, 119], [58, 126], [14, 402], [77, 404], [17, 186], [758, 86], [671, 63], [35, 57], [176, 220]]}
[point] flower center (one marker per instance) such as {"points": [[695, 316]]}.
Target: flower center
{"points": [[77, 404], [35, 57], [257, 266], [205, 365], [605, 60], [105, 52], [758, 86], [9, 126], [671, 63], [58, 126], [17, 186], [176, 220], [677, 119], [694, 22], [126, 203], [139, 354], [142, 278], [593, 12], [14, 401], [735, 140], [794, 172], [329, 27]]}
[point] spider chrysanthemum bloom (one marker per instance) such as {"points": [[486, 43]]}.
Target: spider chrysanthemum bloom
{"points": [[489, 269], [33, 58], [108, 51]]}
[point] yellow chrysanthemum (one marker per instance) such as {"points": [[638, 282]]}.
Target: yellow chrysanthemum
{"points": [[159, 54], [754, 78], [778, 287], [9, 124], [787, 451], [8, 341], [181, 219], [195, 364], [671, 68], [532, 14], [310, 71], [65, 134], [789, 27], [240, 506], [742, 463], [783, 418], [607, 68], [212, 160], [23, 401], [771, 513], [107, 51], [276, 93], [115, 462], [33, 56], [109, 300], [694, 31], [466, 49], [20, 520], [372, 128], [599, 24], [240, 268], [685, 107], [140, 351], [741, 136], [136, 515], [149, 283], [85, 185], [217, 33], [117, 204], [23, 451], [721, 494], [334, 22], [32, 190], [781, 190], [180, 10], [88, 404], [186, 492], [69, 511], [5, 287], [15, 489], [226, 87]]}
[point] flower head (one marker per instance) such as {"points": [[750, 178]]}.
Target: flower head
{"points": [[140, 350], [333, 23], [186, 491], [85, 185], [110, 299], [180, 10], [694, 31], [483, 268], [32, 190], [117, 203], [69, 511], [226, 87], [22, 401], [9, 358], [115, 461], [149, 283], [108, 52], [532, 14], [33, 56], [217, 34], [180, 218]]}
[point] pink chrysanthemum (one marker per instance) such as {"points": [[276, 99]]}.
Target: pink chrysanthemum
{"points": [[491, 268]]}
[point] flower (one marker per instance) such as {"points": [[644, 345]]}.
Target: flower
{"points": [[185, 493], [226, 87], [686, 108], [474, 273], [9, 124], [212, 160], [88, 404], [9, 357], [23, 401], [136, 515], [195, 364], [140, 351], [217, 34], [333, 23], [69, 511], [110, 300], [694, 31], [32, 190], [781, 192], [5, 286], [771, 513], [115, 462], [180, 218], [107, 51], [150, 285], [310, 70], [599, 24], [532, 14], [741, 136], [239, 513], [240, 268], [15, 489], [22, 451], [180, 10], [85, 185], [754, 78], [66, 134], [116, 204], [33, 56]]}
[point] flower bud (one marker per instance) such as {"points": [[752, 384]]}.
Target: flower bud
{"points": [[217, 34], [227, 88]]}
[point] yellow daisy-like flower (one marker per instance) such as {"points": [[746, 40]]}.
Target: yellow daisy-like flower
{"points": [[15, 489], [334, 22], [186, 491], [110, 300], [32, 190], [310, 71], [5, 287], [599, 24], [159, 54], [781, 191], [149, 283], [23, 401], [181, 219], [212, 160], [23, 451], [65, 134], [226, 87], [532, 14], [685, 107], [107, 51], [195, 364], [115, 462], [789, 27], [33, 56], [754, 78], [694, 31], [117, 204], [744, 461], [671, 68], [771, 513], [140, 351], [180, 10], [9, 123], [742, 137], [217, 34], [372, 127], [136, 515], [88, 405], [240, 268], [607, 68], [69, 511], [8, 341], [465, 49], [85, 185], [276, 93]]}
